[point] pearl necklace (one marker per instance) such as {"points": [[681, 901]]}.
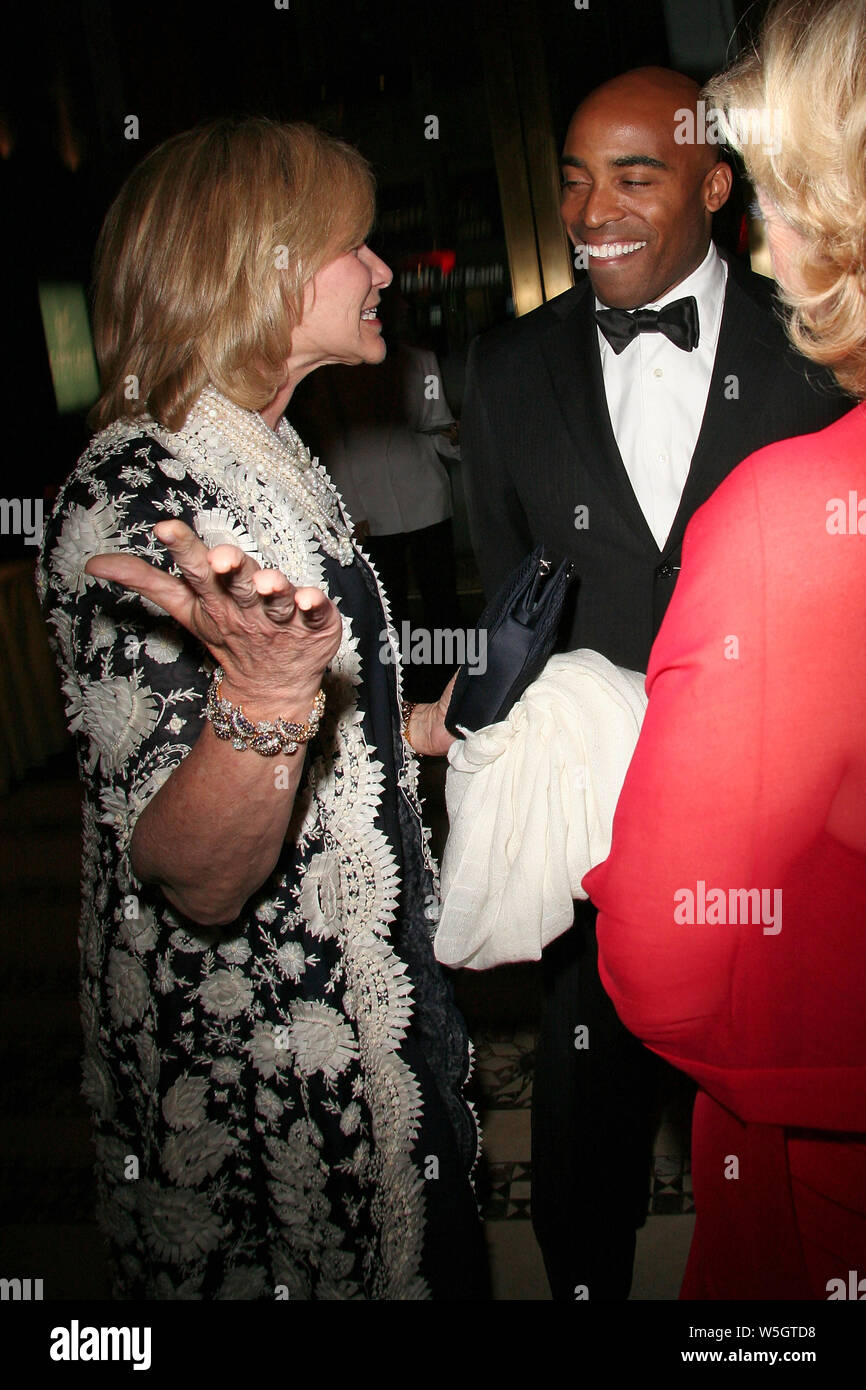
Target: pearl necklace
{"points": [[278, 456]]}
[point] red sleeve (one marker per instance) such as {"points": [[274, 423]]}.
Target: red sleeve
{"points": [[748, 737]]}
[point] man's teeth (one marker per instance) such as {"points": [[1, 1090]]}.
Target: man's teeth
{"points": [[369, 314], [612, 248]]}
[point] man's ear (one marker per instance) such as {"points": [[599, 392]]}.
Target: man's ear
{"points": [[717, 186]]}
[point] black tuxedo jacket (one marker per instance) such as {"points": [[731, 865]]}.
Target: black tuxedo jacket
{"points": [[538, 444]]}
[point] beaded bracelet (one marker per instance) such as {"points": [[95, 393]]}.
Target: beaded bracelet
{"points": [[268, 737]]}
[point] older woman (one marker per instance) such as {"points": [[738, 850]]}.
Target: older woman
{"points": [[746, 962], [272, 1056]]}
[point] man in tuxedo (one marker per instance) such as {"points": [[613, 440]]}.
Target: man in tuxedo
{"points": [[600, 432]]}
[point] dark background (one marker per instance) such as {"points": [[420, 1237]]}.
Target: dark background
{"points": [[367, 70]]}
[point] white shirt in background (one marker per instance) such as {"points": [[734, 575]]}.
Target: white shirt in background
{"points": [[384, 454]]}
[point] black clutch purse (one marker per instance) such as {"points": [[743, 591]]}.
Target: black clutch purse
{"points": [[516, 634]]}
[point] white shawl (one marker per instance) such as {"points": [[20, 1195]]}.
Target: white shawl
{"points": [[530, 803]]}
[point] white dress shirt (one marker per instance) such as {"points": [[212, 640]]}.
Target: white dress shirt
{"points": [[657, 395]]}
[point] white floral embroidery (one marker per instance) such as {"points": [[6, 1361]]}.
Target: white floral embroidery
{"points": [[184, 1103], [128, 991], [268, 1104], [236, 952], [226, 1071], [264, 1053], [139, 796], [103, 633], [321, 895], [165, 978], [267, 911], [182, 941], [218, 527], [164, 645], [226, 993], [148, 1055], [89, 1017], [317, 1028], [137, 476], [178, 1225], [116, 715], [96, 1086], [172, 468], [62, 624], [191, 1155], [89, 939], [320, 1039], [139, 931], [350, 1119], [291, 959], [243, 1284], [87, 531]]}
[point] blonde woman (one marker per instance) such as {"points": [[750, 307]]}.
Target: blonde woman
{"points": [[273, 1059], [746, 963]]}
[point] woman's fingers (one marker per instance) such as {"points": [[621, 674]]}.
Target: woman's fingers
{"points": [[313, 606], [236, 570], [134, 573], [213, 575], [277, 594], [212, 581], [199, 578], [189, 553]]}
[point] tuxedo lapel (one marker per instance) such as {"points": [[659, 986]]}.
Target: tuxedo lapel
{"points": [[747, 358], [573, 362]]}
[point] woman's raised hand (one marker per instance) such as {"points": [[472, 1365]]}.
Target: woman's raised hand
{"points": [[272, 640]]}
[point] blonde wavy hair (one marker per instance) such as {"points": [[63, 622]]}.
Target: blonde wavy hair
{"points": [[810, 64], [204, 257]]}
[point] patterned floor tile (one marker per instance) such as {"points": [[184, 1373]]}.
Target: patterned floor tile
{"points": [[509, 1187], [671, 1188], [505, 1066]]}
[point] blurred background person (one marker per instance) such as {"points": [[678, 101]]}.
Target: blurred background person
{"points": [[382, 434]]}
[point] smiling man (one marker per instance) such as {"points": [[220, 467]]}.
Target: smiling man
{"points": [[598, 424], [637, 203]]}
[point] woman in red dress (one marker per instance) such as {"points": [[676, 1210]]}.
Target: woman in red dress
{"points": [[732, 927]]}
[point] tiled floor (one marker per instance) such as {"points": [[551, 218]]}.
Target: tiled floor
{"points": [[504, 1069], [505, 1062], [46, 1225]]}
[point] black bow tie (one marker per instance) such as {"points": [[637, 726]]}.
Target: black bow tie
{"points": [[678, 321]]}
